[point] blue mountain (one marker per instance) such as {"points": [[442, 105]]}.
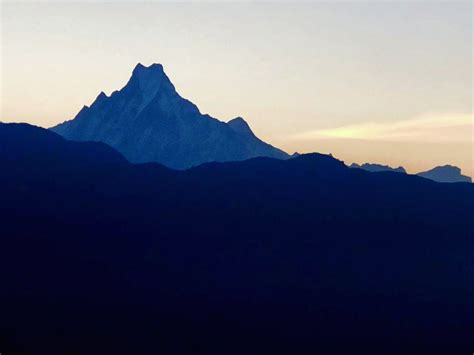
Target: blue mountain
{"points": [[378, 168], [446, 173], [148, 121]]}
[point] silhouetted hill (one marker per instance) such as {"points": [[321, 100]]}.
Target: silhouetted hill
{"points": [[148, 121], [378, 167], [263, 256], [446, 173], [20, 141]]}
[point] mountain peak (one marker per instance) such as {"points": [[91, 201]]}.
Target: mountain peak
{"points": [[102, 95], [155, 67], [448, 167], [445, 173], [99, 99], [147, 120], [239, 125], [153, 73], [372, 167], [150, 80]]}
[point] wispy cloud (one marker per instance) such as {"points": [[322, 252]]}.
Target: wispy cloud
{"points": [[427, 128]]}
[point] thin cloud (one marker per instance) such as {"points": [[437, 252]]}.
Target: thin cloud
{"points": [[457, 128]]}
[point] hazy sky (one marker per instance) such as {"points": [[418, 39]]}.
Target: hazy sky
{"points": [[387, 82]]}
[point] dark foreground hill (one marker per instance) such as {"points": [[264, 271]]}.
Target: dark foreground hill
{"points": [[264, 256]]}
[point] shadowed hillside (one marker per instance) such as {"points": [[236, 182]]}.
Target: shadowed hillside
{"points": [[264, 256]]}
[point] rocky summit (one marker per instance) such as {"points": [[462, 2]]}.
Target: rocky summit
{"points": [[148, 121]]}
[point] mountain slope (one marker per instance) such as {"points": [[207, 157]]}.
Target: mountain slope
{"points": [[298, 256], [446, 173], [148, 121]]}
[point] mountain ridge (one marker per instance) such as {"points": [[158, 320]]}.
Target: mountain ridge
{"points": [[373, 167], [444, 173], [148, 121], [297, 256]]}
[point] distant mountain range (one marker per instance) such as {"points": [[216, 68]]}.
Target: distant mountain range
{"points": [[148, 121], [263, 256], [446, 173], [378, 168]]}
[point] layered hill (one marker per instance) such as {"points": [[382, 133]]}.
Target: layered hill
{"points": [[445, 173], [148, 121], [297, 256]]}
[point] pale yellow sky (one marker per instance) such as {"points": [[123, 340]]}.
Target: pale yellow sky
{"points": [[387, 82]]}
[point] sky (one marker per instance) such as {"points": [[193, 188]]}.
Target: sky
{"points": [[381, 81]]}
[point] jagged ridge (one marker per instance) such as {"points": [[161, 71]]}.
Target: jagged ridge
{"points": [[148, 121]]}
